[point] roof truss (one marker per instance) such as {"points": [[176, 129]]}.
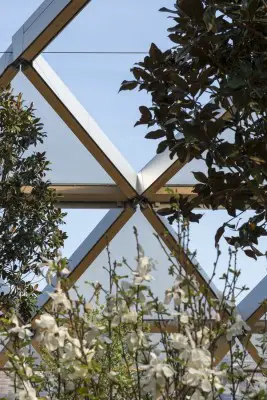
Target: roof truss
{"points": [[145, 189]]}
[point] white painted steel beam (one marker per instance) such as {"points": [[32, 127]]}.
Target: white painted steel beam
{"points": [[36, 33], [160, 169], [46, 81]]}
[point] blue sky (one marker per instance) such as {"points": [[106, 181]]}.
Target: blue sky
{"points": [[120, 25]]}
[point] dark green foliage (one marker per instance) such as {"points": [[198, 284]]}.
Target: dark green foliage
{"points": [[29, 223], [211, 87]]}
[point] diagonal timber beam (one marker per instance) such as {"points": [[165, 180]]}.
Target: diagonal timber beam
{"points": [[169, 237], [160, 169], [82, 259], [46, 81], [251, 309], [91, 247], [190, 265], [36, 33]]}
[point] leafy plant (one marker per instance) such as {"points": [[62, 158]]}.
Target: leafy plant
{"points": [[209, 98], [29, 220], [102, 347]]}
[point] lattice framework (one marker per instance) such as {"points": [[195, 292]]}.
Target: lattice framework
{"points": [[131, 190]]}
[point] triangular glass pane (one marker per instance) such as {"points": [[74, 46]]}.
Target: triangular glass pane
{"points": [[185, 175], [70, 160], [95, 79], [78, 225], [15, 14], [260, 342], [122, 246], [6, 387]]}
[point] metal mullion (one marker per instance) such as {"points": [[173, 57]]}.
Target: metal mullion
{"points": [[51, 17]]}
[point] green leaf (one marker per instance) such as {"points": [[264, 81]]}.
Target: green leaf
{"points": [[180, 82], [193, 8], [155, 53], [235, 82], [146, 114], [210, 19], [219, 234], [159, 133], [174, 38], [252, 7], [162, 146], [164, 9], [128, 85], [250, 253], [199, 176]]}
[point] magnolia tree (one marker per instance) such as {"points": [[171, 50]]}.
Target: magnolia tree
{"points": [[29, 220], [208, 102], [104, 347]]}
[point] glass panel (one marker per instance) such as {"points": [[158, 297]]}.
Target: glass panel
{"points": [[122, 246], [260, 342], [78, 225], [202, 241], [70, 160], [103, 26], [6, 387], [15, 14], [185, 175]]}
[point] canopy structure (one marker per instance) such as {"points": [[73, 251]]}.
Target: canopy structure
{"points": [[143, 192]]}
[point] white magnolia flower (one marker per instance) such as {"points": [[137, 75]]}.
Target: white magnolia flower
{"points": [[76, 347], [199, 358], [80, 369], [198, 378], [176, 293], [60, 298], [46, 321], [130, 317], [258, 386], [93, 332], [29, 393], [144, 267], [204, 337], [22, 331], [51, 335], [28, 370], [237, 328], [182, 316], [156, 373], [69, 352], [136, 340], [179, 341], [202, 379]]}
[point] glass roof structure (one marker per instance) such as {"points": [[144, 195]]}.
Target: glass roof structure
{"points": [[102, 178]]}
